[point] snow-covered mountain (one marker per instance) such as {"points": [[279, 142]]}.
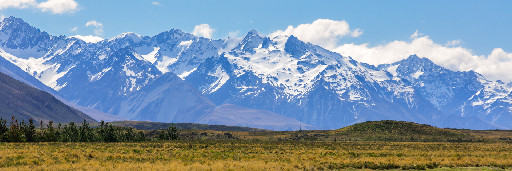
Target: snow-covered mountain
{"points": [[176, 76], [131, 76], [466, 99], [306, 82]]}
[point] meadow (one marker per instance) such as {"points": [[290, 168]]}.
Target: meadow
{"points": [[254, 155], [370, 145]]}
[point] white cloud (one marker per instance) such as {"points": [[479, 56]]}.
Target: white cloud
{"points": [[88, 39], [58, 6], [356, 33], [323, 32], [93, 23], [453, 43], [155, 3], [17, 4], [203, 30], [495, 66], [98, 27], [74, 29], [2, 16], [53, 6], [416, 34]]}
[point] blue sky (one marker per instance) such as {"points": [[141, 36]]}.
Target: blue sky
{"points": [[478, 27]]}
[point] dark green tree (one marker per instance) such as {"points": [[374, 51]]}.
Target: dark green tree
{"points": [[50, 133], [170, 133], [30, 131], [15, 134], [173, 132], [70, 133], [140, 136], [86, 132], [3, 130], [110, 135]]}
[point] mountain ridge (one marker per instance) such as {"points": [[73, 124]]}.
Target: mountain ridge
{"points": [[281, 74]]}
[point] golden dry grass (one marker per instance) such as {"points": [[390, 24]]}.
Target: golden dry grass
{"points": [[252, 155]]}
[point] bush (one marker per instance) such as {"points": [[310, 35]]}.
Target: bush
{"points": [[170, 134]]}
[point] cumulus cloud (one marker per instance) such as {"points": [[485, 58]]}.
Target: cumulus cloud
{"points": [[88, 39], [98, 27], [495, 66], [203, 30], [324, 32], [58, 6], [4, 4], [155, 3], [52, 6]]}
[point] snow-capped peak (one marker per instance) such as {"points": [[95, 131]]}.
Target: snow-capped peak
{"points": [[131, 35], [253, 32], [13, 22], [173, 35], [19, 30], [252, 40]]}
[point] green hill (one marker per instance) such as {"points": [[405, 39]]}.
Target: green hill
{"points": [[388, 130]]}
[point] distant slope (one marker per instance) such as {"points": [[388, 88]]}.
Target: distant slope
{"points": [[146, 125], [166, 99], [229, 114], [170, 99], [24, 102], [388, 130]]}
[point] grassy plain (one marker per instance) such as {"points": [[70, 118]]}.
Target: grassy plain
{"points": [[255, 155], [369, 145]]}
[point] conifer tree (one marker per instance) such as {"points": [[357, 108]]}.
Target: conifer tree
{"points": [[30, 131], [50, 133], [14, 134], [3, 130], [86, 134]]}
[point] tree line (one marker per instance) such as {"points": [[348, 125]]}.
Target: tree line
{"points": [[26, 132]]}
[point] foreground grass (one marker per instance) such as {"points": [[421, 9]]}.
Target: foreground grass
{"points": [[254, 155]]}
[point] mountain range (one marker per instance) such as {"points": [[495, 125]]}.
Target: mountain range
{"points": [[279, 83]]}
